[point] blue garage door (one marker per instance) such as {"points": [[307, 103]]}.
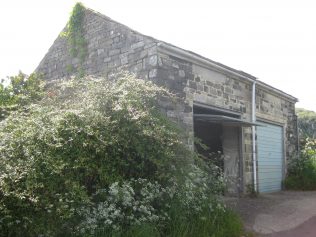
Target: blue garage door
{"points": [[270, 157]]}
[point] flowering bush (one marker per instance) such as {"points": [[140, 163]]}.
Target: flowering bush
{"points": [[83, 136], [97, 154], [199, 187], [302, 169], [131, 203], [139, 201]]}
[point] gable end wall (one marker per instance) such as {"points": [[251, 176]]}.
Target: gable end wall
{"points": [[110, 46]]}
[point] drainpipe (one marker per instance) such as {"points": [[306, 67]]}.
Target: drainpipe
{"points": [[297, 137], [254, 152]]}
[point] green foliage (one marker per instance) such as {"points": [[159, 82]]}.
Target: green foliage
{"points": [[21, 91], [75, 36], [306, 123], [97, 158], [302, 170], [144, 230], [58, 155], [303, 113], [219, 222], [212, 220]]}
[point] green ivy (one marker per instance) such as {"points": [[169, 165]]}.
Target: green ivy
{"points": [[75, 36]]}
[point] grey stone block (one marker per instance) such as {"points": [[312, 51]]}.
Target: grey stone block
{"points": [[152, 73]]}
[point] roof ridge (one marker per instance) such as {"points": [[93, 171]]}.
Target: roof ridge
{"points": [[161, 42], [164, 42], [121, 24]]}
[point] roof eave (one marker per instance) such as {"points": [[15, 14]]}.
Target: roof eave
{"points": [[199, 60], [207, 63]]}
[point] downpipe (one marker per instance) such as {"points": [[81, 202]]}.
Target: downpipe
{"points": [[254, 152]]}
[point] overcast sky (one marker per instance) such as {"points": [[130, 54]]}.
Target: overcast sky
{"points": [[274, 40]]}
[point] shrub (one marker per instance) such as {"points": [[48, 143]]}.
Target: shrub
{"points": [[306, 123], [302, 170], [132, 203], [96, 157], [21, 91], [84, 136]]}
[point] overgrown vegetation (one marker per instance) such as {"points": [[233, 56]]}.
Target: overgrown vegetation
{"points": [[306, 123], [302, 168], [75, 36], [96, 158], [21, 91]]}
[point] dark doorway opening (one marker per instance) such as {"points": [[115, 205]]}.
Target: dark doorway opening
{"points": [[209, 134], [220, 135]]}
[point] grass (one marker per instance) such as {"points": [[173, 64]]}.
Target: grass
{"points": [[303, 179], [218, 223]]}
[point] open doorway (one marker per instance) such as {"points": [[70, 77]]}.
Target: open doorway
{"points": [[209, 134], [220, 132]]}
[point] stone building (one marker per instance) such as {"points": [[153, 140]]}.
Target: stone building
{"points": [[251, 123]]}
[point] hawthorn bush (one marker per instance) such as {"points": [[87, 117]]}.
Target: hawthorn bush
{"points": [[96, 156]]}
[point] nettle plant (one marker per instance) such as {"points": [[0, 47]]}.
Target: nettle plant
{"points": [[97, 153]]}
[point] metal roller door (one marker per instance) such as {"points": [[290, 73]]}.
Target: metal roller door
{"points": [[270, 157]]}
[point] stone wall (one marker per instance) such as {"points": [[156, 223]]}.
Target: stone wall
{"points": [[230, 93], [274, 108], [197, 84], [220, 90], [112, 46], [173, 74]]}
